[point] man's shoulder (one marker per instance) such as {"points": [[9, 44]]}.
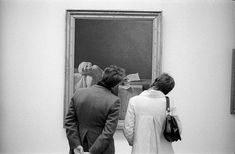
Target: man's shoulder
{"points": [[82, 92], [79, 90], [105, 92], [93, 90], [96, 90]]}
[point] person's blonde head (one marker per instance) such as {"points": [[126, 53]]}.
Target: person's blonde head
{"points": [[85, 68]]}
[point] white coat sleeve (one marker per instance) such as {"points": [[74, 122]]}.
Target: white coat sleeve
{"points": [[129, 122], [175, 114]]}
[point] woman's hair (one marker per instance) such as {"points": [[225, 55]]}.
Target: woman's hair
{"points": [[112, 76], [165, 83]]}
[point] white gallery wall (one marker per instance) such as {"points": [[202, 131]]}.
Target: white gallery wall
{"points": [[198, 38]]}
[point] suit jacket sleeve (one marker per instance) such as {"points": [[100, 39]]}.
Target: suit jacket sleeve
{"points": [[129, 123], [104, 138], [71, 126]]}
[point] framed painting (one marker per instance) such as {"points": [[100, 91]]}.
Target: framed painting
{"points": [[129, 39]]}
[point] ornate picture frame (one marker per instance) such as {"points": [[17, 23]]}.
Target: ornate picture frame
{"points": [[232, 98]]}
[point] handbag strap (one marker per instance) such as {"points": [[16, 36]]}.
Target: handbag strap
{"points": [[167, 105]]}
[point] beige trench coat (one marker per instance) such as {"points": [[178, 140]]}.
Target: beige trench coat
{"points": [[144, 123]]}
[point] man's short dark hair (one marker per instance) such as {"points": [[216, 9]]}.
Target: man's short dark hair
{"points": [[113, 75], [165, 83]]}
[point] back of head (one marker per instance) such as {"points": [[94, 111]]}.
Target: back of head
{"points": [[164, 83], [112, 76]]}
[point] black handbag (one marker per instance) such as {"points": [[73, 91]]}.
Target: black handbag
{"points": [[171, 130]]}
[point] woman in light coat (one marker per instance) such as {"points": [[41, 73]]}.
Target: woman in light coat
{"points": [[144, 121]]}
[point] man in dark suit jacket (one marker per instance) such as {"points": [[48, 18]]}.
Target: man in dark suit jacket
{"points": [[93, 114]]}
